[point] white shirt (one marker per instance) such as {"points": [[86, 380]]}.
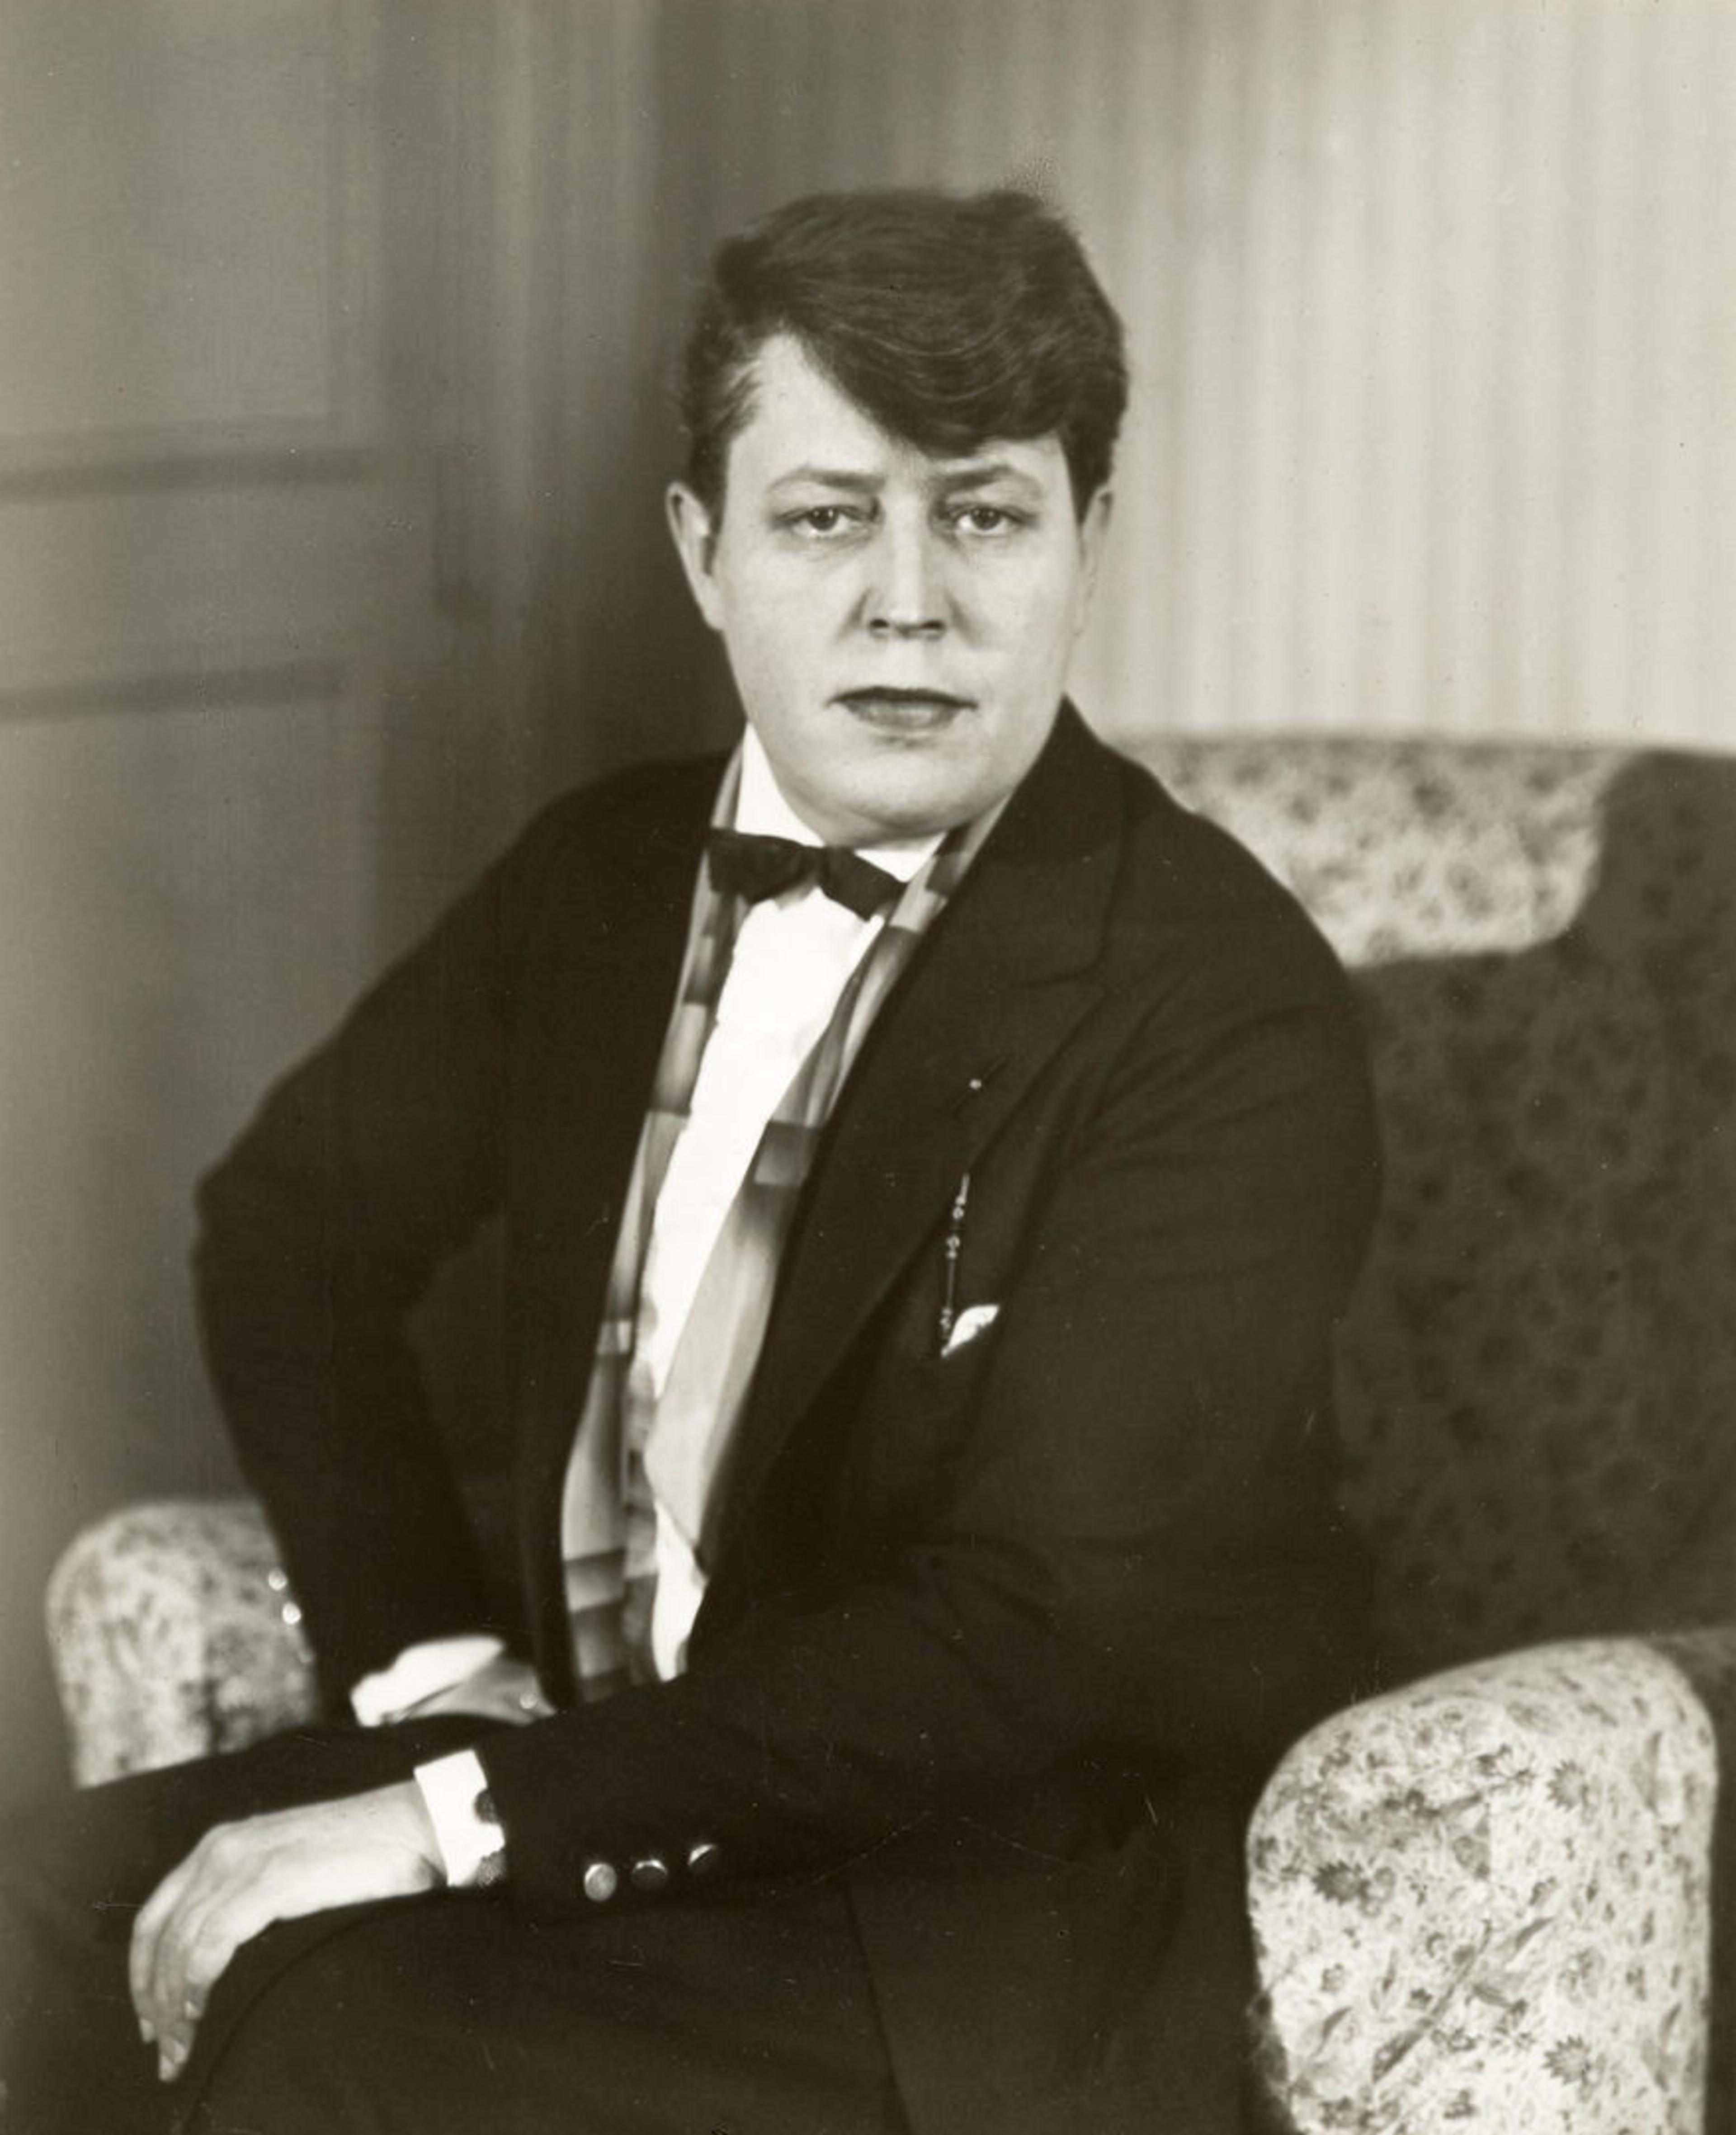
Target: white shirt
{"points": [[792, 957]]}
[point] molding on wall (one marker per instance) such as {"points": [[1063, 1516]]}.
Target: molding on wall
{"points": [[195, 454], [243, 685], [216, 456]]}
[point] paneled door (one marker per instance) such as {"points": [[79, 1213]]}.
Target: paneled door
{"points": [[230, 607]]}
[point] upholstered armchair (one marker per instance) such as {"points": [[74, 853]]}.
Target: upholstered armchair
{"points": [[1485, 1898]]}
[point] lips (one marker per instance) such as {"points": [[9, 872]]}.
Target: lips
{"points": [[899, 709], [896, 693]]}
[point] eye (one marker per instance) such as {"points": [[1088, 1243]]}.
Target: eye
{"points": [[821, 521], [985, 519]]}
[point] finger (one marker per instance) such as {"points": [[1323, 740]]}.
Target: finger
{"points": [[199, 1946], [491, 1701], [160, 1926], [503, 1690], [147, 1933], [200, 1913], [217, 1864], [168, 2003], [205, 1957], [518, 1704]]}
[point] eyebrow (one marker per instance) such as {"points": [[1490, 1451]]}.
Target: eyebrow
{"points": [[822, 478], [980, 477], [852, 480]]}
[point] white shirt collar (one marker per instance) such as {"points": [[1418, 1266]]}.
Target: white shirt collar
{"points": [[761, 809]]}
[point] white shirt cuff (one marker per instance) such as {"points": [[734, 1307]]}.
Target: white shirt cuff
{"points": [[449, 1787], [420, 1672]]}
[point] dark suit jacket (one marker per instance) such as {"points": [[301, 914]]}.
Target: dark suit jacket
{"points": [[988, 1633]]}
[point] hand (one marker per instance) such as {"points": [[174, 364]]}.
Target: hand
{"points": [[500, 1689], [242, 1876]]}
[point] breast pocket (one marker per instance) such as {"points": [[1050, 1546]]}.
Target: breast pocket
{"points": [[927, 1402]]}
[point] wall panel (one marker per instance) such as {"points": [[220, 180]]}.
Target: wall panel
{"points": [[179, 271]]}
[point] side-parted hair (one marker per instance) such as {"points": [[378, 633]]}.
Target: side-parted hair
{"points": [[950, 319]]}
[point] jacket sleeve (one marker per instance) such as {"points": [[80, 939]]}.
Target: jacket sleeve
{"points": [[365, 1167], [1132, 1551]]}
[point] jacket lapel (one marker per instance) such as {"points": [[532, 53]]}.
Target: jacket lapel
{"points": [[992, 993]]}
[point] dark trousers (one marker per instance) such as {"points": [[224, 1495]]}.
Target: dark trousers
{"points": [[745, 2011]]}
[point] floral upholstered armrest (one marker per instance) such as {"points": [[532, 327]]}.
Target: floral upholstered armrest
{"points": [[174, 1634], [1484, 1901]]}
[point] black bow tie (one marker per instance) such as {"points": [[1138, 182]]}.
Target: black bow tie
{"points": [[743, 863]]}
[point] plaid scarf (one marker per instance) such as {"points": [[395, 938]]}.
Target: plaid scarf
{"points": [[633, 1451]]}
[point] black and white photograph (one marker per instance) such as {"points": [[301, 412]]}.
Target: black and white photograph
{"points": [[867, 1066]]}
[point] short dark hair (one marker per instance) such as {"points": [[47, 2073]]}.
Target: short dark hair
{"points": [[949, 318]]}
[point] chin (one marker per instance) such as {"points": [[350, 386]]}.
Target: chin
{"points": [[915, 807]]}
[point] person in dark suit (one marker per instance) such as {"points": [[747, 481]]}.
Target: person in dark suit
{"points": [[932, 1165]]}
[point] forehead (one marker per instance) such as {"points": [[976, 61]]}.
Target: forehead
{"points": [[800, 423]]}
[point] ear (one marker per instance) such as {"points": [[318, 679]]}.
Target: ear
{"points": [[1093, 534], [696, 543]]}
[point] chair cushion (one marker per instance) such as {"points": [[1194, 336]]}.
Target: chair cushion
{"points": [[1484, 1901]]}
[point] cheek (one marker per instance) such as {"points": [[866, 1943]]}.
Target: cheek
{"points": [[765, 652], [1038, 611], [781, 630]]}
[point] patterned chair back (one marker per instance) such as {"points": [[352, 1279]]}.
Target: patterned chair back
{"points": [[1538, 1378]]}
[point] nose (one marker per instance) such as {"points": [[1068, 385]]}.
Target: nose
{"points": [[906, 597]]}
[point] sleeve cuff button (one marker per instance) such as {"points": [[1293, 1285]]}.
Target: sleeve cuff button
{"points": [[600, 1881]]}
